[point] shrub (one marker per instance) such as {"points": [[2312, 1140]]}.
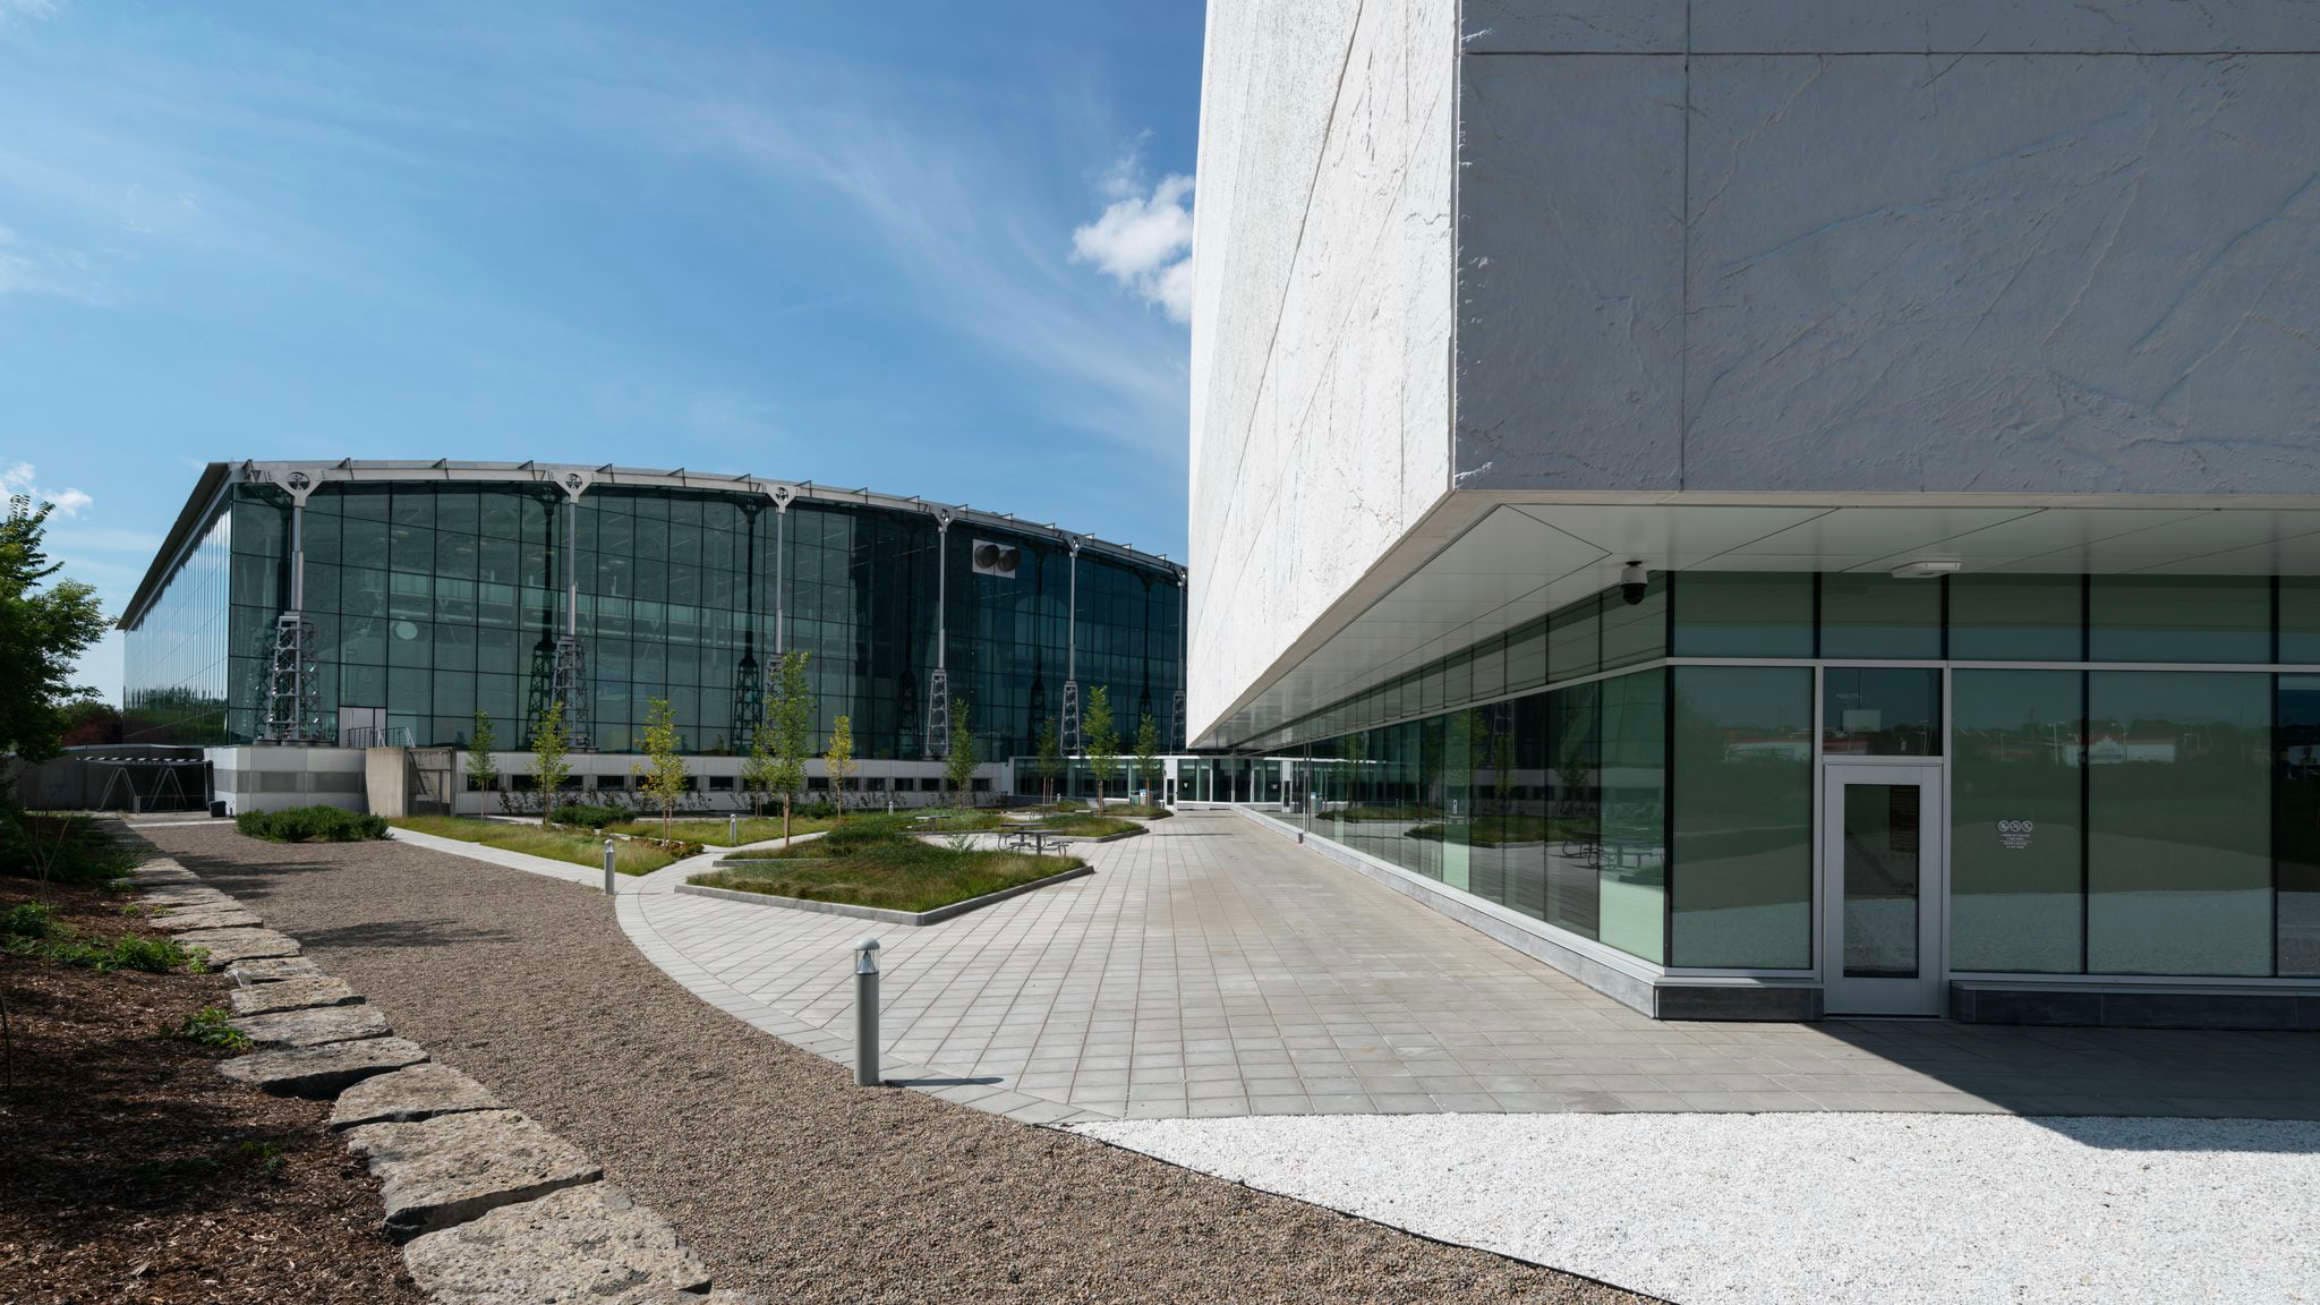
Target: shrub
{"points": [[209, 1027], [585, 816], [151, 955], [311, 825], [28, 920], [58, 849], [62, 945]]}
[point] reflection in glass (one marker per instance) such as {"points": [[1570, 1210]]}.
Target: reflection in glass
{"points": [[2179, 823], [2137, 618], [1635, 632], [1881, 876], [2297, 835], [1634, 872], [1878, 616], [2015, 618], [1574, 833], [1744, 614], [1743, 817], [1575, 640], [2015, 824], [1881, 711]]}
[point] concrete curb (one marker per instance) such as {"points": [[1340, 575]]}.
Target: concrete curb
{"points": [[880, 914]]}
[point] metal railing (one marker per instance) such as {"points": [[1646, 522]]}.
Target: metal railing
{"points": [[378, 736]]}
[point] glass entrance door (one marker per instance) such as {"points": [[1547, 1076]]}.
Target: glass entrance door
{"points": [[1882, 887]]}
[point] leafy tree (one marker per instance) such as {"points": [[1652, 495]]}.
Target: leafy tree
{"points": [[91, 722], [789, 718], [550, 768], [839, 760], [664, 775], [959, 766], [482, 772], [1148, 751], [1050, 759], [1103, 740], [44, 628]]}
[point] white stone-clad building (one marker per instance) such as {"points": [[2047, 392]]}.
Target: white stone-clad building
{"points": [[1942, 380]]}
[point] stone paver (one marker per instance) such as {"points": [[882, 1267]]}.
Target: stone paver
{"points": [[441, 1172], [321, 1071], [227, 945], [214, 917], [419, 1092], [586, 1243], [312, 1027], [273, 970], [292, 994], [1215, 968]]}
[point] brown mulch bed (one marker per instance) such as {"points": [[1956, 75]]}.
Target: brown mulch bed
{"points": [[131, 1171], [788, 1181]]}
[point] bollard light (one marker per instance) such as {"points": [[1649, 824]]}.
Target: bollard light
{"points": [[732, 829], [866, 1013], [608, 872]]}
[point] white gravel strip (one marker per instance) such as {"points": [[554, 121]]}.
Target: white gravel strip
{"points": [[1710, 1208]]}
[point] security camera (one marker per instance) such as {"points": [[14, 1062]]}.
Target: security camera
{"points": [[1634, 580]]}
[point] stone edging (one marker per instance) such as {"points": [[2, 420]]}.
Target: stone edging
{"points": [[491, 1208], [878, 913]]}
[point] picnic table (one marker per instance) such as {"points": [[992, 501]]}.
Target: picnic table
{"points": [[1035, 840]]}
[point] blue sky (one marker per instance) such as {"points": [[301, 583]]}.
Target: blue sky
{"points": [[933, 247]]}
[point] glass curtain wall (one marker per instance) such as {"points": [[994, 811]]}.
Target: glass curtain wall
{"points": [[2105, 819], [433, 601]]}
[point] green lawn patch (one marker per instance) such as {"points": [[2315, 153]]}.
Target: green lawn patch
{"points": [[1087, 825], [629, 857], [953, 820], [754, 829], [881, 861]]}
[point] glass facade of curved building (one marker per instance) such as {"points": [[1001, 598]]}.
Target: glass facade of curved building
{"points": [[431, 598]]}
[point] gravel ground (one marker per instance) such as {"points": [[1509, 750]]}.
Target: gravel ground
{"points": [[788, 1181], [1820, 1208]]}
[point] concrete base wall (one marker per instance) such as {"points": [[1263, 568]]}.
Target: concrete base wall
{"points": [[276, 779], [2216, 1007]]}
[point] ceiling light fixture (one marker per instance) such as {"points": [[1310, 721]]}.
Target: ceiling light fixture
{"points": [[1927, 569]]}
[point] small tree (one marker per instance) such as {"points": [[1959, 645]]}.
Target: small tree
{"points": [[1103, 740], [839, 760], [1050, 760], [664, 775], [959, 766], [482, 771], [757, 769], [789, 717], [1148, 751], [549, 767]]}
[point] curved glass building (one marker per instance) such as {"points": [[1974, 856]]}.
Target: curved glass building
{"points": [[345, 603]]}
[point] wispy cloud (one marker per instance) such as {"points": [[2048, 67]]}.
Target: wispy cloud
{"points": [[20, 478], [949, 210], [25, 9], [28, 269], [1143, 239]]}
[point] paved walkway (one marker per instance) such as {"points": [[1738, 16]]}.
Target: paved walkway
{"points": [[1212, 968]]}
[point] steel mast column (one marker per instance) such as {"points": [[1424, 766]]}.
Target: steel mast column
{"points": [[1071, 739], [569, 681], [293, 689], [938, 689]]}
